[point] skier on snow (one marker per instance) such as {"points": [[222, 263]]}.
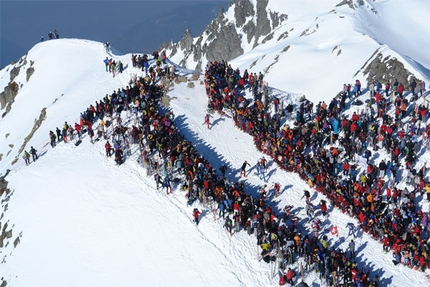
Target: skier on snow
{"points": [[228, 224], [306, 194], [158, 180], [277, 188], [108, 149], [207, 121], [323, 207], [351, 229], [196, 214], [168, 184], [243, 168]]}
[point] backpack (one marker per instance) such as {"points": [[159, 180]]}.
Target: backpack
{"points": [[281, 280]]}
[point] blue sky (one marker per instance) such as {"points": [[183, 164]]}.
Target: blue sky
{"points": [[131, 26]]}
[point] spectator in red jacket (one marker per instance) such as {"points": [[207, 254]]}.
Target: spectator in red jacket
{"points": [[400, 90], [290, 275], [386, 243], [196, 214], [108, 148]]}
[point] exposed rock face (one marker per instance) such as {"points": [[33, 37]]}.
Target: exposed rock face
{"points": [[36, 125], [346, 2], [263, 24], [242, 10], [385, 69], [225, 44], [3, 183], [7, 97], [29, 72], [224, 38], [14, 72], [6, 231], [186, 41]]}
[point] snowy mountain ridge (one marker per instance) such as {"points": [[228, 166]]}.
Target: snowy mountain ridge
{"points": [[74, 218], [345, 40]]}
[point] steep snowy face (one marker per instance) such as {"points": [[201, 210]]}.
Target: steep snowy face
{"points": [[344, 40]]}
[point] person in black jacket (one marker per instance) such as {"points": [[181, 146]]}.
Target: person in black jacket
{"points": [[33, 152]]}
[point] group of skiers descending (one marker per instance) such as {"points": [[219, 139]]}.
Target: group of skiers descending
{"points": [[323, 144]]}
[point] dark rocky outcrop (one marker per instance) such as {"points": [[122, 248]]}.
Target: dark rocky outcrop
{"points": [[36, 125], [7, 96], [242, 10], [6, 230], [380, 68], [223, 38], [186, 41], [346, 2]]}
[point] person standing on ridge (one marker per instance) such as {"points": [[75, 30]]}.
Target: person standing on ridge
{"points": [[106, 61], [352, 248], [168, 184], [243, 168], [228, 224], [59, 135], [196, 214], [207, 121], [108, 149], [223, 170], [52, 138], [306, 194], [107, 47], [26, 157], [277, 189], [33, 152], [158, 180]]}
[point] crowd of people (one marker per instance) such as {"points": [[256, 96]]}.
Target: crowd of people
{"points": [[322, 151], [160, 67], [325, 152], [113, 66]]}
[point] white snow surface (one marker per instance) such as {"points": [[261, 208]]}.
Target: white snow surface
{"points": [[84, 221], [323, 45]]}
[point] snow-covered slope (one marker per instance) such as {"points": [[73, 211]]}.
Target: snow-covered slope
{"points": [[67, 85], [83, 221], [313, 47]]}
